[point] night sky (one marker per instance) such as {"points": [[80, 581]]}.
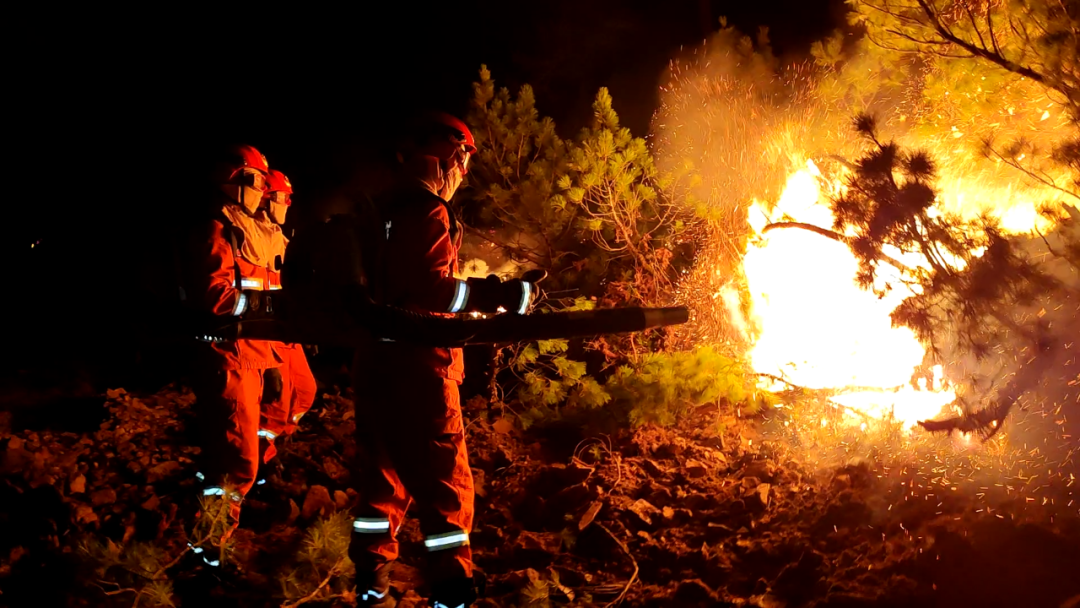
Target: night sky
{"points": [[109, 114]]}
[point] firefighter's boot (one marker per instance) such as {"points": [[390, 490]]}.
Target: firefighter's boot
{"points": [[373, 590], [217, 520]]}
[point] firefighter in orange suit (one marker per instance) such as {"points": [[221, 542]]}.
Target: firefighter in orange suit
{"points": [[232, 263], [410, 433], [290, 388]]}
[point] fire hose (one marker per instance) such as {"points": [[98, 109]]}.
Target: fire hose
{"points": [[325, 301], [373, 321]]}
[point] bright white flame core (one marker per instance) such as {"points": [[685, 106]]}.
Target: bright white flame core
{"points": [[816, 327]]}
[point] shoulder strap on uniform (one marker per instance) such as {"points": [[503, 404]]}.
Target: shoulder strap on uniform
{"points": [[237, 275]]}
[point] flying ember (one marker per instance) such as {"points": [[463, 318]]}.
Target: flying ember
{"points": [[816, 328]]}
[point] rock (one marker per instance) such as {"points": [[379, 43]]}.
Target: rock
{"points": [[669, 451], [570, 500], [106, 496], [294, 512], [334, 469], [162, 471], [760, 469], [590, 514], [699, 502], [762, 492], [797, 581], [695, 469], [750, 483], [556, 477], [15, 443], [693, 591], [151, 503], [341, 499], [317, 501], [548, 542], [644, 510], [84, 514], [668, 513], [77, 485], [660, 496], [653, 468], [503, 426]]}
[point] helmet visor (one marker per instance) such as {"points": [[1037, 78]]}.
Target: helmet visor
{"points": [[252, 178], [280, 197]]}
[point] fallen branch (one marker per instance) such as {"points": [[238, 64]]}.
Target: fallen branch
{"points": [[633, 577], [312, 596]]}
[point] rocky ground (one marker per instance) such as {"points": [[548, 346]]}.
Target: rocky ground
{"points": [[96, 495]]}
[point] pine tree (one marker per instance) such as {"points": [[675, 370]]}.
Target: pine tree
{"points": [[610, 229], [1002, 79], [974, 287]]}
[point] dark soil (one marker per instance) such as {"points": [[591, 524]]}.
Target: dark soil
{"points": [[690, 516]]}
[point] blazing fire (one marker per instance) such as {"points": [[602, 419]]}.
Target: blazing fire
{"points": [[816, 328], [748, 131]]}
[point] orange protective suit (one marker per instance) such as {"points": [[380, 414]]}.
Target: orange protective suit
{"points": [[281, 412], [228, 378], [410, 433]]}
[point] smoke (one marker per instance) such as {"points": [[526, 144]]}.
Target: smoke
{"points": [[734, 124]]}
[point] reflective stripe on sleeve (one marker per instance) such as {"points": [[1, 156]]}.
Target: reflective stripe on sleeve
{"points": [[439, 604], [241, 305], [461, 296], [526, 292], [275, 287], [449, 540], [371, 525], [271, 435], [250, 283]]}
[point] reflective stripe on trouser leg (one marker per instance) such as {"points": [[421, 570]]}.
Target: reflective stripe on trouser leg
{"points": [[449, 540], [439, 604], [372, 594], [371, 525]]}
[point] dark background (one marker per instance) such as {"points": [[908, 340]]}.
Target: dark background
{"points": [[108, 116]]}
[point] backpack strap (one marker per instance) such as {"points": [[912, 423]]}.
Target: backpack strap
{"points": [[228, 225]]}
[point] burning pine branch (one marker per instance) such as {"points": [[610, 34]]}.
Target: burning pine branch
{"points": [[972, 283]]}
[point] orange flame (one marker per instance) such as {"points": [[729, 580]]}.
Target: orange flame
{"points": [[816, 328]]}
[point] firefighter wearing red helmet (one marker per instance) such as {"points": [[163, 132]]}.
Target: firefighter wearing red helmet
{"points": [[231, 265], [291, 388], [410, 433]]}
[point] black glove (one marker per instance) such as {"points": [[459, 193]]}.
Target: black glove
{"points": [[514, 296]]}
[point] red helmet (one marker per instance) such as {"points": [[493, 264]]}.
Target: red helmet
{"points": [[441, 135], [236, 159], [278, 187]]}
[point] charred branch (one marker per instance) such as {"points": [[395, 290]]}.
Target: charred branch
{"points": [[836, 236]]}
